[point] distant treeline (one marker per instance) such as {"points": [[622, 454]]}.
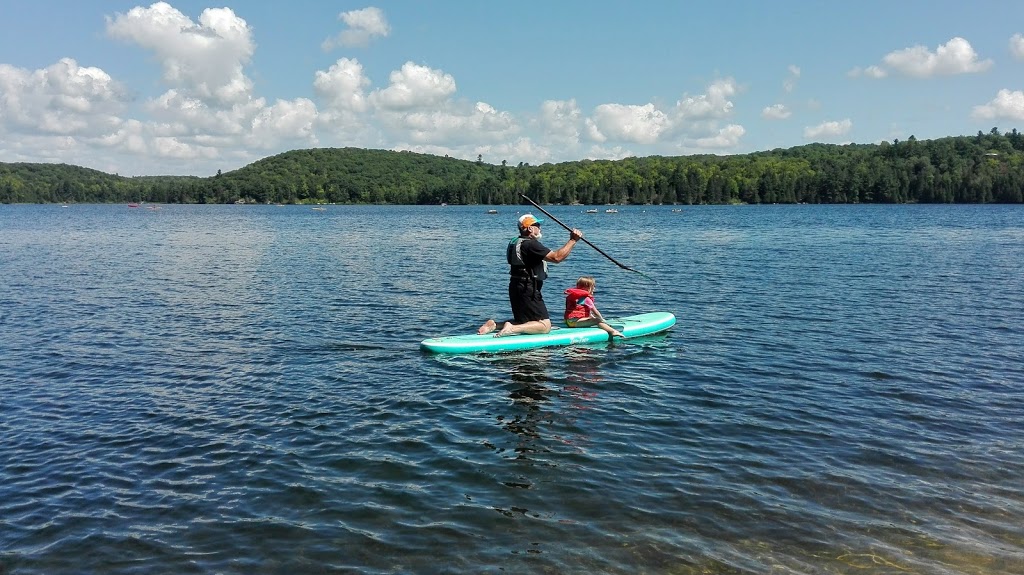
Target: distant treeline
{"points": [[965, 169]]}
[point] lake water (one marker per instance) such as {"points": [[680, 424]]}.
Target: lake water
{"points": [[239, 389]]}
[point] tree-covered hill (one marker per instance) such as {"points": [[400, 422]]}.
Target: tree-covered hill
{"points": [[354, 175], [964, 169], [47, 183]]}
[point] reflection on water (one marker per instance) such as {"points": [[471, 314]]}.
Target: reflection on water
{"points": [[530, 408], [525, 422]]}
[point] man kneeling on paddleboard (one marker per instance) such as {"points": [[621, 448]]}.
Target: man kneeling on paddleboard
{"points": [[527, 259]]}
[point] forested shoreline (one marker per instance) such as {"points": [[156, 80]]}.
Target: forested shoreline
{"points": [[985, 168]]}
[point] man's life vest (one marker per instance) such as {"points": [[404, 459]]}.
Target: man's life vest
{"points": [[518, 266]]}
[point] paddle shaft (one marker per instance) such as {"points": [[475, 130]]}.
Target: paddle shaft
{"points": [[599, 250]]}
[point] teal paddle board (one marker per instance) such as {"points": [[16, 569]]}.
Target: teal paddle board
{"points": [[630, 326]]}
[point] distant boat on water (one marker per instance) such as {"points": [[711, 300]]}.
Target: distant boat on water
{"points": [[133, 205], [492, 211], [611, 211], [591, 211]]}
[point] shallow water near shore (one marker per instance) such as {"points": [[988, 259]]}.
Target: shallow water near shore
{"points": [[239, 389]]}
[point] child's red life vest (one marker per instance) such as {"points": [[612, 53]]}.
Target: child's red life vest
{"points": [[574, 303]]}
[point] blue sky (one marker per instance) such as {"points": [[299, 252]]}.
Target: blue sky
{"points": [[190, 87]]}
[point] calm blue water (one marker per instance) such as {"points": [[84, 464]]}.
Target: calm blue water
{"points": [[239, 389]]}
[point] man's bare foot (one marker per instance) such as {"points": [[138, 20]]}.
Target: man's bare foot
{"points": [[487, 327], [506, 329]]}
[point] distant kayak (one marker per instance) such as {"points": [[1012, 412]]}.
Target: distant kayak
{"points": [[630, 326]]}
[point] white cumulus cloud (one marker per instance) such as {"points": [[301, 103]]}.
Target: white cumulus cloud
{"points": [[876, 72], [342, 87], [716, 103], [828, 130], [363, 25], [415, 86], [1017, 46], [776, 112], [692, 118], [789, 84], [597, 152], [204, 59], [286, 120], [63, 98], [454, 125], [1006, 104], [631, 123], [561, 121], [130, 137], [727, 137], [174, 148], [196, 116], [954, 57]]}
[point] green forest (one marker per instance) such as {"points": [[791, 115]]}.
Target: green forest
{"points": [[986, 168]]}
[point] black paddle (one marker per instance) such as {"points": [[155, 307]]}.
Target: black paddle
{"points": [[599, 250]]}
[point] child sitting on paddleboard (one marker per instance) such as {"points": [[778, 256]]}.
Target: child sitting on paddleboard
{"points": [[580, 309]]}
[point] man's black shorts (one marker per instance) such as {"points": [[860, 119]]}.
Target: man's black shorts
{"points": [[527, 301]]}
